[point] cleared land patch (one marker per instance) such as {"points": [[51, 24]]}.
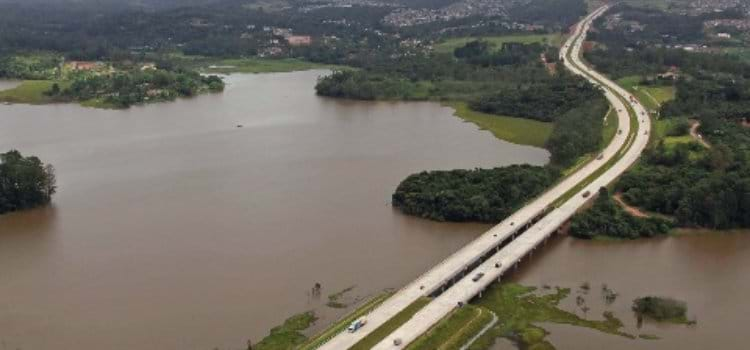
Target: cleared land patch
{"points": [[449, 45]]}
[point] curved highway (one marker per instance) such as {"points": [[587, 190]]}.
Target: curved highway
{"points": [[538, 218]]}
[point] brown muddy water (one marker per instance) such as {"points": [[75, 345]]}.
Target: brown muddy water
{"points": [[175, 229], [709, 272]]}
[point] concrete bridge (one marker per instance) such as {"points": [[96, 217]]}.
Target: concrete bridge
{"points": [[453, 281]]}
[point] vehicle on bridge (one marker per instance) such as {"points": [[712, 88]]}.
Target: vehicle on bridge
{"points": [[356, 325], [477, 277]]}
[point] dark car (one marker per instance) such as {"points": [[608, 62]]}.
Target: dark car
{"points": [[477, 277]]}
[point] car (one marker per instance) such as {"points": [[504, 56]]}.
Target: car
{"points": [[354, 326], [477, 277], [600, 157], [586, 194]]}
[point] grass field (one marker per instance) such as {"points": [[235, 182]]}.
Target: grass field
{"points": [[341, 325], [451, 44], [454, 330], [30, 91], [258, 65], [651, 96], [610, 128], [516, 130], [391, 325], [741, 52]]}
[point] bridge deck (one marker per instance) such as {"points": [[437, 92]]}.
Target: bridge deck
{"points": [[458, 263]]}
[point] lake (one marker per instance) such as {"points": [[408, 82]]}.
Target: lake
{"points": [[175, 229]]}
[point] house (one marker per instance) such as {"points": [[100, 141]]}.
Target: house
{"points": [[148, 66], [672, 74], [299, 40], [82, 65]]}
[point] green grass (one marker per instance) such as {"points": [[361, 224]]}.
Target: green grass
{"points": [[267, 5], [675, 140], [519, 308], [652, 97], [30, 91], [652, 4], [649, 336], [610, 128], [257, 65], [451, 44], [454, 330], [516, 130], [741, 52], [288, 335], [98, 103], [391, 325], [341, 325]]}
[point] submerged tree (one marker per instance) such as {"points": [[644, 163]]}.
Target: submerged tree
{"points": [[25, 182]]}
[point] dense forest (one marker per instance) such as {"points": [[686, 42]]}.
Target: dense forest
{"points": [[697, 186], [607, 218], [482, 195], [25, 182], [544, 100], [126, 88]]}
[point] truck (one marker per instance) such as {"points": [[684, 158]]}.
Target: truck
{"points": [[354, 326]]}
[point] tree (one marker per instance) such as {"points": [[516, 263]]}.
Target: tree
{"points": [[25, 182]]}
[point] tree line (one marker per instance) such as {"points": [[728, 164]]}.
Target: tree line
{"points": [[123, 89]]}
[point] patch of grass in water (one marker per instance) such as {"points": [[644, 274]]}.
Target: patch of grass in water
{"points": [[649, 337], [288, 335], [334, 299], [662, 309], [520, 309]]}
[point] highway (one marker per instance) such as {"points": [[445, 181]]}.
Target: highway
{"points": [[506, 243]]}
